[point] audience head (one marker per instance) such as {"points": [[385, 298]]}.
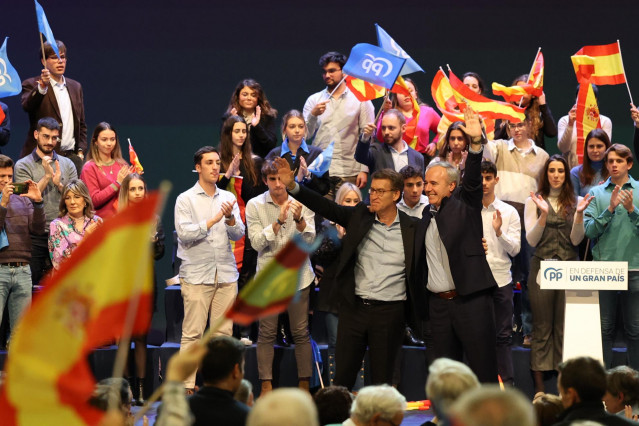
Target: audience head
{"points": [[293, 126], [244, 393], [488, 405], [333, 404], [55, 65], [386, 189], [76, 200], [284, 406], [618, 159], [348, 195], [447, 381], [223, 364], [622, 388], [331, 64], [441, 180], [112, 391], [47, 135], [132, 190], [207, 165], [393, 126], [474, 82], [413, 185], [547, 408], [520, 132], [403, 102], [581, 379], [6, 171], [556, 177], [455, 140], [376, 403], [595, 146], [248, 95], [105, 144], [234, 134]]}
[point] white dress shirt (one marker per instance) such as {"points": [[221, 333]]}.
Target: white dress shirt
{"points": [[507, 245]]}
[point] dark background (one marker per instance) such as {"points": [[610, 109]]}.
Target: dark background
{"points": [[162, 71]]}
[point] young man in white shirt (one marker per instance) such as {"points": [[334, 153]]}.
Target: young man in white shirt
{"points": [[502, 231]]}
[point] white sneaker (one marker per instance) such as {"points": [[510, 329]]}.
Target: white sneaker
{"points": [[246, 341]]}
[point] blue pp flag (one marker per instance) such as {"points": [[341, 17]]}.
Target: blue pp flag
{"points": [[9, 80], [317, 360], [387, 43], [43, 26], [322, 162], [373, 64]]}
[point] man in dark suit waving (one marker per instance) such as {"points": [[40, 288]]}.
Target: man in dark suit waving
{"points": [[375, 271], [451, 260]]}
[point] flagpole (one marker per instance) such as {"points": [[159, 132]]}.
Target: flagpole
{"points": [[532, 69], [44, 58], [382, 108], [624, 72], [330, 95]]}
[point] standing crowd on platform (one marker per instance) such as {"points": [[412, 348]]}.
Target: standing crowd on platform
{"points": [[424, 245]]}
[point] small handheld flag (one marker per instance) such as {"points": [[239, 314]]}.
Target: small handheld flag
{"points": [[387, 43], [10, 83], [45, 29], [603, 62], [133, 159], [322, 162], [373, 64]]}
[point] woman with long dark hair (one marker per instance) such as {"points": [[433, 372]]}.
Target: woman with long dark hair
{"points": [[455, 147], [593, 170], [250, 102], [554, 220]]}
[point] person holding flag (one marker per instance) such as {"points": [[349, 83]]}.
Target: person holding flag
{"points": [[336, 115], [53, 95]]}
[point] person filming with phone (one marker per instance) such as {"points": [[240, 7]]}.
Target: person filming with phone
{"points": [[21, 213]]}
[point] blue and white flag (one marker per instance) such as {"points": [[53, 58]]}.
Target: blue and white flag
{"points": [[10, 83], [373, 64], [322, 162], [45, 29], [387, 43]]}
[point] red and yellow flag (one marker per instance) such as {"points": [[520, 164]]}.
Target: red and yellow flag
{"points": [[410, 135], [599, 64], [83, 305], [273, 287], [235, 187], [363, 90], [534, 86], [134, 160], [587, 116]]}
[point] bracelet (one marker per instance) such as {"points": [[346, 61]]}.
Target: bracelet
{"points": [[279, 222], [298, 220]]}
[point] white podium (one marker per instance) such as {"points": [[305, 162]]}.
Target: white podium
{"points": [[582, 282]]}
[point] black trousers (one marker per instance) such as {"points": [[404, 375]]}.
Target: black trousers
{"points": [[466, 326], [40, 262], [378, 326]]}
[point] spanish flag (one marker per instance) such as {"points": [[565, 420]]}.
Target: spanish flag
{"points": [[536, 78], [273, 287], [83, 305], [235, 187], [587, 116], [410, 135], [134, 160], [363, 90], [534, 86], [599, 64], [512, 94]]}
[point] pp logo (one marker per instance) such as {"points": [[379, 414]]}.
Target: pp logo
{"points": [[552, 274], [377, 65], [4, 76]]}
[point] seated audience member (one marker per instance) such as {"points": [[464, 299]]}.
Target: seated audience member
{"points": [[77, 220], [547, 408], [447, 381], [285, 406], [333, 404], [222, 370], [391, 152], [117, 389], [413, 199], [488, 405], [582, 385], [622, 390], [244, 393], [381, 404]]}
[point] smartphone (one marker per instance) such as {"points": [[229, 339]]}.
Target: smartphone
{"points": [[20, 187]]}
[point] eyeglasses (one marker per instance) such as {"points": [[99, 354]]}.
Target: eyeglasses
{"points": [[379, 191], [513, 126], [331, 71]]}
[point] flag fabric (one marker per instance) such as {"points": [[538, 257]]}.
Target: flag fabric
{"points": [[10, 83], [536, 78], [487, 108], [363, 90], [511, 94], [273, 287], [133, 159], [603, 62], [410, 135], [373, 64], [587, 116], [235, 187], [83, 305], [322, 162], [317, 362], [45, 29], [387, 43]]}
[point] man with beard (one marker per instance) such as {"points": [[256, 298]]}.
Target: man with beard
{"points": [[393, 153], [51, 172]]}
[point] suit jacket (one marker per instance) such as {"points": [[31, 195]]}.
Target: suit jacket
{"points": [[214, 406], [39, 106], [378, 156], [358, 221], [460, 228]]}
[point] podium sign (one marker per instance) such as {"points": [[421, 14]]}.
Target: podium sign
{"points": [[581, 281], [557, 275]]}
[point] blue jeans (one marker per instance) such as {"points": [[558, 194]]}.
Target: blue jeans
{"points": [[630, 312], [15, 288]]}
